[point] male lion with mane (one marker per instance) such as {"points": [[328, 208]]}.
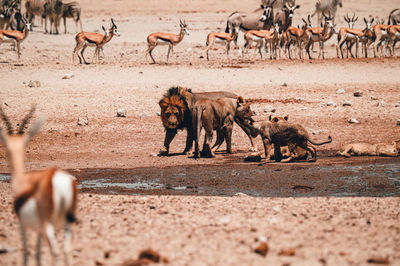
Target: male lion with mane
{"points": [[175, 114]]}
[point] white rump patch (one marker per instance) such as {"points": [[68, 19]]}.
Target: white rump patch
{"points": [[62, 196]]}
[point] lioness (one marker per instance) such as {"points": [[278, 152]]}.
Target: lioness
{"points": [[217, 115], [367, 149], [277, 131], [175, 115]]}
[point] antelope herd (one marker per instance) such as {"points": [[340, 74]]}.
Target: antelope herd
{"points": [[269, 27]]}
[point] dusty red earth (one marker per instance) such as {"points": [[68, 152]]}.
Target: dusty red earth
{"points": [[336, 211]]}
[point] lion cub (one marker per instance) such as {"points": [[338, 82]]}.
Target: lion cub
{"points": [[367, 149], [217, 115]]}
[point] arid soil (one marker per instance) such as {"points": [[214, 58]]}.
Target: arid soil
{"points": [[336, 211]]}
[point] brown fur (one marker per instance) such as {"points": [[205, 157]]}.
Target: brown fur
{"points": [[278, 132], [175, 114], [216, 115], [367, 149]]}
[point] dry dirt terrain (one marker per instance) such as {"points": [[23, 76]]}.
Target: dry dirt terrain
{"points": [[336, 211]]}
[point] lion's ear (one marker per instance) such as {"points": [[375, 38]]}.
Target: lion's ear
{"points": [[270, 117], [240, 100], [286, 118]]}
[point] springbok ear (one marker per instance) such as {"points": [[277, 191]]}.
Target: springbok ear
{"points": [[285, 6], [365, 21], [286, 117], [240, 100], [34, 129], [262, 6], [298, 6], [372, 20], [103, 28]]}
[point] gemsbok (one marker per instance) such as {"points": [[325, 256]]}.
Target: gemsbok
{"points": [[224, 37], [15, 36], [98, 40], [162, 38], [44, 200], [320, 35]]}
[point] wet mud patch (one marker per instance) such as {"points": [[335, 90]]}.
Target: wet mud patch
{"points": [[330, 177]]}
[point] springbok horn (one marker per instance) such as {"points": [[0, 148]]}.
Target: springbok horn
{"points": [[34, 129], [26, 119], [6, 121], [112, 21]]}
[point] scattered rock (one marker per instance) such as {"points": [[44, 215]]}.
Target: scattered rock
{"points": [[83, 121], [316, 132], [253, 158], [158, 114], [397, 104], [381, 104], [146, 257], [240, 194], [262, 249], [330, 103], [398, 122], [276, 209], [287, 252], [347, 103], [378, 260], [121, 112], [374, 98], [68, 76], [224, 220], [144, 116], [153, 154], [189, 49], [358, 94], [201, 56], [353, 121], [284, 84], [34, 83], [269, 108], [340, 91]]}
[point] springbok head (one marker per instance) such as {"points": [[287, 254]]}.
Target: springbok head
{"points": [[15, 142], [351, 21], [307, 24], [268, 11], [183, 26], [289, 9], [368, 24], [114, 28], [329, 19]]}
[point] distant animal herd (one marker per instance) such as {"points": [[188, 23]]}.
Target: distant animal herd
{"points": [[267, 28], [46, 200]]}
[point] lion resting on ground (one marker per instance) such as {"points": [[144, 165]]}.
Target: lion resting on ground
{"points": [[277, 132], [175, 114], [217, 115], [367, 149]]}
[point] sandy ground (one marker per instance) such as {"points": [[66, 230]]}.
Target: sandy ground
{"points": [[191, 228]]}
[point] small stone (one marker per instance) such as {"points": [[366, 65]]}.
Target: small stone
{"points": [[379, 260], [398, 122], [153, 154], [340, 91], [269, 108], [33, 83], [189, 49], [397, 104], [83, 121], [121, 112], [284, 84], [68, 76], [240, 194], [354, 121], [381, 104], [144, 116], [276, 209], [347, 103], [224, 220], [287, 252], [330, 103], [374, 98], [262, 249], [316, 132], [358, 94]]}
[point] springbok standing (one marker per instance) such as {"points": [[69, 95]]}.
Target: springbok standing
{"points": [[320, 35], [213, 37], [394, 37], [15, 36], [271, 38], [98, 40], [170, 39], [294, 35], [44, 200], [381, 32], [348, 35]]}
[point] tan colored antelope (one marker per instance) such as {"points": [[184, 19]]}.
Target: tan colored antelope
{"points": [[271, 38], [394, 37], [352, 36], [320, 35], [15, 36], [44, 200], [380, 31], [98, 40], [224, 37], [162, 38], [294, 35]]}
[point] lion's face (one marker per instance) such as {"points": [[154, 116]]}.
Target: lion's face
{"points": [[172, 111]]}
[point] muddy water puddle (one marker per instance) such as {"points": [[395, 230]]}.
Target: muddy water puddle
{"points": [[376, 178]]}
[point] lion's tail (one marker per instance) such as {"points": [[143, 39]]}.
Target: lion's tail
{"points": [[197, 114], [321, 143]]}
